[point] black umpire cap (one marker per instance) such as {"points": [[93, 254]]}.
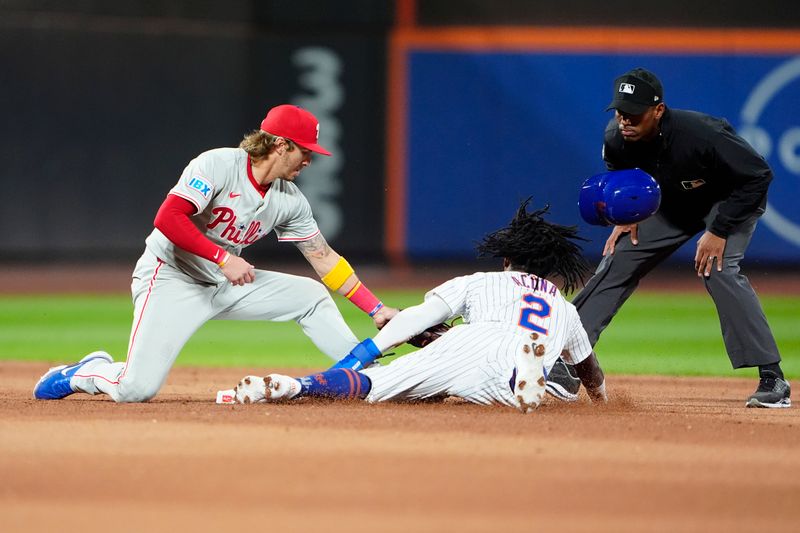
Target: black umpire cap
{"points": [[635, 91]]}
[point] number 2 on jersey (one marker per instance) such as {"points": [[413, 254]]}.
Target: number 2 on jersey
{"points": [[538, 307]]}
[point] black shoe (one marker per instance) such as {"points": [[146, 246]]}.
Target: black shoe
{"points": [[562, 383], [772, 392]]}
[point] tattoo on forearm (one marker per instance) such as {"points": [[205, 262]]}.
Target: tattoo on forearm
{"points": [[316, 247]]}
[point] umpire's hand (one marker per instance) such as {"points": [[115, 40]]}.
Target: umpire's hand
{"points": [[709, 248], [633, 229]]}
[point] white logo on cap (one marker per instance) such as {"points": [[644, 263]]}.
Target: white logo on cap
{"points": [[627, 88], [317, 132], [655, 98]]}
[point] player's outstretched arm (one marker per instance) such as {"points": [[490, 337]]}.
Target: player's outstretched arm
{"points": [[592, 377], [337, 274], [405, 325], [411, 321]]}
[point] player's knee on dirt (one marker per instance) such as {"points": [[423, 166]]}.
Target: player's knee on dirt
{"points": [[136, 392]]}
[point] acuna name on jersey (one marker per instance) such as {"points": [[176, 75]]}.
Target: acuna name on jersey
{"points": [[529, 281]]}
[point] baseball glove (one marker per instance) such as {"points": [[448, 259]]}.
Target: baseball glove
{"points": [[423, 339]]}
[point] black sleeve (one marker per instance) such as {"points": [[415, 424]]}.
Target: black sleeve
{"points": [[749, 175]]}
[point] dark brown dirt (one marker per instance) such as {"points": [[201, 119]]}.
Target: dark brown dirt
{"points": [[666, 454]]}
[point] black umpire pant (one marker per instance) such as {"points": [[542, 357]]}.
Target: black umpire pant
{"points": [[748, 338]]}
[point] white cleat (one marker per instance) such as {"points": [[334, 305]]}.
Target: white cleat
{"points": [[251, 389], [530, 384], [272, 388]]}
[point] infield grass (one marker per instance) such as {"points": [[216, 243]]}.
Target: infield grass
{"points": [[654, 333]]}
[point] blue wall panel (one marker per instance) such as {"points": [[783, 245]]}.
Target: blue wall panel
{"points": [[487, 129]]}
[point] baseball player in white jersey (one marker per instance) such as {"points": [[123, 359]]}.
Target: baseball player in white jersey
{"points": [[191, 270], [516, 324]]}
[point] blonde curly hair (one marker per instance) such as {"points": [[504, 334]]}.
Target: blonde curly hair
{"points": [[259, 144]]}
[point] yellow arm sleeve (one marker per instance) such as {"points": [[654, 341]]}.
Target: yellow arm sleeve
{"points": [[338, 275]]}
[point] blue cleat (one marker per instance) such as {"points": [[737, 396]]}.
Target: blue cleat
{"points": [[54, 384]]}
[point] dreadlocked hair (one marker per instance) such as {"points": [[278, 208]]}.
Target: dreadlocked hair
{"points": [[538, 247]]}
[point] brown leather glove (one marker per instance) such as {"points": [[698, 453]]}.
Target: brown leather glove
{"points": [[423, 339]]}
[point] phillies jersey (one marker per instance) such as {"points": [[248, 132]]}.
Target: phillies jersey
{"points": [[520, 303], [231, 211]]}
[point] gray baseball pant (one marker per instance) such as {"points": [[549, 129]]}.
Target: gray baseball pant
{"points": [[169, 306], [745, 331]]}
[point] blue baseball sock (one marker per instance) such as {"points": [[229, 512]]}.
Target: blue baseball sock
{"points": [[336, 383], [363, 355]]}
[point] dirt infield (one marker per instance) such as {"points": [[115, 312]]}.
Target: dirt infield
{"points": [[667, 454]]}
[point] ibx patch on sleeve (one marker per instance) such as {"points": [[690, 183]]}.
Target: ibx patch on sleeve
{"points": [[200, 184]]}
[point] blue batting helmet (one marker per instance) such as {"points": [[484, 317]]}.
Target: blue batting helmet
{"points": [[619, 197]]}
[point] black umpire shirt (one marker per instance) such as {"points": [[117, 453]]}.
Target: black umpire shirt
{"points": [[698, 160]]}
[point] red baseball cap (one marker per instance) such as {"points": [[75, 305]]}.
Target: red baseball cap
{"points": [[296, 124]]}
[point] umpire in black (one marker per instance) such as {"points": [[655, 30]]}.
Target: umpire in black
{"points": [[712, 181]]}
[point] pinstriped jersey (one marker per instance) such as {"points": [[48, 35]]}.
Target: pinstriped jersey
{"points": [[231, 212], [519, 303], [476, 360]]}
